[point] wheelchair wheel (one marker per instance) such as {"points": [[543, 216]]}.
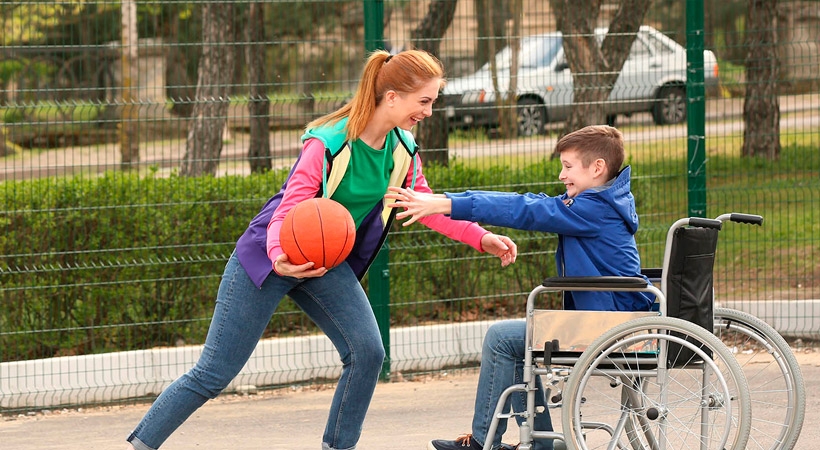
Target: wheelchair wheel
{"points": [[774, 377], [621, 394]]}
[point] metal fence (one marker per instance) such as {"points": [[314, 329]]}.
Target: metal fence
{"points": [[118, 214]]}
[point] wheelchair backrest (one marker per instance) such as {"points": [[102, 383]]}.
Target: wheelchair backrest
{"points": [[689, 281]]}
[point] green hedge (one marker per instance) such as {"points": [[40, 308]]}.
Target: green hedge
{"points": [[125, 262]]}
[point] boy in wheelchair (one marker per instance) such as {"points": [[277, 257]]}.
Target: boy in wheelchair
{"points": [[595, 221]]}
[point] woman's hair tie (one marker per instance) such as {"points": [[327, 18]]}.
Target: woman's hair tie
{"points": [[387, 60]]}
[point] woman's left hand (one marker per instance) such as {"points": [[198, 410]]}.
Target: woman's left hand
{"points": [[500, 246]]}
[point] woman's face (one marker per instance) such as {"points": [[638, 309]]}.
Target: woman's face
{"points": [[410, 108]]}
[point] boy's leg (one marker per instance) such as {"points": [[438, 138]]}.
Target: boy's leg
{"points": [[502, 365]]}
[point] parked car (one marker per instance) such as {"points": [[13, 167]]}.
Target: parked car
{"points": [[653, 79]]}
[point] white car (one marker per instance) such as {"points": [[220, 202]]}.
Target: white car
{"points": [[653, 79]]}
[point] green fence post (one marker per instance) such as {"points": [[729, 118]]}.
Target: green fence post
{"points": [[379, 290], [373, 24], [379, 275], [696, 109]]}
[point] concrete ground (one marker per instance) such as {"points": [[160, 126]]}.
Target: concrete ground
{"points": [[404, 415]]}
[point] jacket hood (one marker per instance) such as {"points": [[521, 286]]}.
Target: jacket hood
{"points": [[619, 196]]}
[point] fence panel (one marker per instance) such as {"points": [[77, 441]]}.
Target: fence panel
{"points": [[112, 252]]}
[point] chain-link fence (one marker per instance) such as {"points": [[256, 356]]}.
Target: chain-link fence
{"points": [[139, 139]]}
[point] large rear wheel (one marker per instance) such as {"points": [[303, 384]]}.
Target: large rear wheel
{"points": [[774, 377]]}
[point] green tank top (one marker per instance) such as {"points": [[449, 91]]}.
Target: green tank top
{"points": [[366, 179]]}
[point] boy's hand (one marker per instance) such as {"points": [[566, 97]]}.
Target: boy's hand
{"points": [[417, 204], [500, 246]]}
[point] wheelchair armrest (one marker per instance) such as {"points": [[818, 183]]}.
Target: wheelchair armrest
{"points": [[653, 273], [595, 282]]}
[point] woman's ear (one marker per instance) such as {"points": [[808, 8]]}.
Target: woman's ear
{"points": [[390, 97]]}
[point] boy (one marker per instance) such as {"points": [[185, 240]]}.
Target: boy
{"points": [[595, 220]]}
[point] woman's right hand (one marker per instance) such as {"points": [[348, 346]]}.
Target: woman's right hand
{"points": [[283, 267]]}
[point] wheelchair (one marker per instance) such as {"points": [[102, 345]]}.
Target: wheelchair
{"points": [[662, 379]]}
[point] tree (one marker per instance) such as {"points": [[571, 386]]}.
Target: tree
{"points": [[259, 104], [204, 144], [595, 68], [761, 107], [129, 123], [6, 147], [432, 133], [506, 103], [491, 15]]}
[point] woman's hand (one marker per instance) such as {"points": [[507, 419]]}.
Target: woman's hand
{"points": [[417, 204], [283, 267], [500, 246]]}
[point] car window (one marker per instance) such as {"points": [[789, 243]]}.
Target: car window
{"points": [[539, 51], [639, 48], [536, 51], [657, 45]]}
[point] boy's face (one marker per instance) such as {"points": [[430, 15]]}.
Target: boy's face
{"points": [[578, 178]]}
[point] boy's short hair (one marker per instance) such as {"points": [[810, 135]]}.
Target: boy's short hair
{"points": [[593, 142]]}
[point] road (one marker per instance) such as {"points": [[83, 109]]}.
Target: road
{"points": [[723, 118], [404, 414]]}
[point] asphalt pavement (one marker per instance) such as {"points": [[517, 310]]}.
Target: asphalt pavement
{"points": [[404, 414]]}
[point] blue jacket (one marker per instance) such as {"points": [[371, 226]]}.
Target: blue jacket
{"points": [[595, 234]]}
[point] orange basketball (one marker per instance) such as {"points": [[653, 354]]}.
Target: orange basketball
{"points": [[319, 230]]}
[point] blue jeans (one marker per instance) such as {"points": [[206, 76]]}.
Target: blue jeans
{"points": [[502, 365], [336, 302]]}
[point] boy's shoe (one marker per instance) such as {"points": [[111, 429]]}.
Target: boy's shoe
{"points": [[464, 442]]}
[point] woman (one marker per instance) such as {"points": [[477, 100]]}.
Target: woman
{"points": [[352, 156]]}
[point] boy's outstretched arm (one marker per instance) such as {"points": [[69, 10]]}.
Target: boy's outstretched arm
{"points": [[417, 204], [420, 204]]}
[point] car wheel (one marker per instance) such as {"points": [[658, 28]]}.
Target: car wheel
{"points": [[532, 117], [670, 108]]}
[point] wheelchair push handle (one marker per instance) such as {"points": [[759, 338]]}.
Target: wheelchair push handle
{"points": [[705, 223], [751, 219]]}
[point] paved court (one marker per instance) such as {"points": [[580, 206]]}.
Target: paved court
{"points": [[404, 415]]}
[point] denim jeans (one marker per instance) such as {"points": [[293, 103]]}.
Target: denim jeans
{"points": [[336, 302], [502, 365]]}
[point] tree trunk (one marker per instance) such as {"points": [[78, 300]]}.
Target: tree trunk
{"points": [[761, 107], [216, 66], [491, 15], [259, 105], [6, 147], [432, 133], [506, 103], [129, 122], [595, 69]]}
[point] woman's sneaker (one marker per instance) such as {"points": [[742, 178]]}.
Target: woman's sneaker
{"points": [[464, 442]]}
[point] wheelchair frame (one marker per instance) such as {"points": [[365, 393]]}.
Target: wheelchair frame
{"points": [[643, 422]]}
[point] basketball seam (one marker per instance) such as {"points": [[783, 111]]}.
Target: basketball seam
{"points": [[321, 232]]}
